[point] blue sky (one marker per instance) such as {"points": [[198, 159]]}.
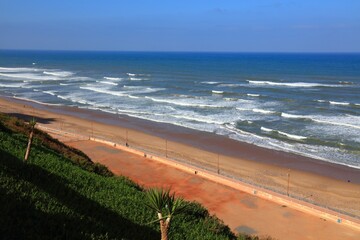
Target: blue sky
{"points": [[182, 25]]}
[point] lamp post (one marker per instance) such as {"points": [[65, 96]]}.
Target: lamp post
{"points": [[166, 153], [288, 182], [126, 137]]}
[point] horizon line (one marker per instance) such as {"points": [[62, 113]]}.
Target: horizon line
{"points": [[177, 51]]}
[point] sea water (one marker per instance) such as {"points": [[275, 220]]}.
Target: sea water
{"points": [[308, 104]]}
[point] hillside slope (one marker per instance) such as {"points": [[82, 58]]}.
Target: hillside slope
{"points": [[54, 197]]}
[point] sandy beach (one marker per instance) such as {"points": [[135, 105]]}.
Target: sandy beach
{"points": [[328, 185]]}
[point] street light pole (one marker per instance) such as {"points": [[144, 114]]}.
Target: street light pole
{"points": [[288, 182], [166, 155]]}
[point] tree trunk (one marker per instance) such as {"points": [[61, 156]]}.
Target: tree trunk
{"points": [[164, 227], [29, 145]]}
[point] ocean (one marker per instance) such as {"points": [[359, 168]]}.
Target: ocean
{"points": [[308, 104]]}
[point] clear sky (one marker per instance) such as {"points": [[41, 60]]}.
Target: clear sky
{"points": [[181, 25]]}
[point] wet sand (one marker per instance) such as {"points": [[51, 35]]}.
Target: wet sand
{"points": [[325, 184]]}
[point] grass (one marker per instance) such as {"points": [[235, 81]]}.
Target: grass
{"points": [[56, 197]]}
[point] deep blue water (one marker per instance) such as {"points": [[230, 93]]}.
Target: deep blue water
{"points": [[303, 103]]}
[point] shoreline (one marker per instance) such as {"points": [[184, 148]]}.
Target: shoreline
{"points": [[259, 166], [217, 144]]}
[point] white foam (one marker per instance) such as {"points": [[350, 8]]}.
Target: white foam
{"points": [[338, 123], [243, 109], [137, 79], [263, 111], [230, 85], [231, 99], [94, 89], [142, 89], [50, 93], [211, 83], [197, 118], [113, 78], [33, 63], [321, 101], [59, 73], [253, 95], [292, 136], [287, 115], [290, 84], [30, 76], [217, 92], [107, 82], [131, 74], [12, 85], [65, 84], [4, 69], [132, 96], [266, 129], [38, 102], [232, 128], [339, 103], [183, 103]]}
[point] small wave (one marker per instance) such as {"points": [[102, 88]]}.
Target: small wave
{"points": [[230, 85], [59, 74], [113, 78], [253, 95], [292, 136], [131, 74], [4, 69], [290, 84], [64, 84], [142, 89], [137, 79], [217, 92], [197, 119], [231, 99], [263, 111], [109, 83], [30, 76], [231, 127], [287, 115], [38, 102], [321, 101], [339, 103], [346, 83], [75, 99], [211, 83], [33, 63], [132, 96], [49, 92], [119, 94], [266, 129], [243, 109], [13, 85], [185, 104], [336, 123]]}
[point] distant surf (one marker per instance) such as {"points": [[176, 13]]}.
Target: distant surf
{"points": [[288, 102]]}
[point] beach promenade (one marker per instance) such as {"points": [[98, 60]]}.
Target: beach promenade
{"points": [[243, 212]]}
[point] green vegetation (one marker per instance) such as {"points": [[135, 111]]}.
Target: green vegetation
{"points": [[62, 194], [166, 207], [54, 198]]}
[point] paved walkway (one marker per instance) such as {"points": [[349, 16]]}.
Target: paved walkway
{"points": [[241, 211]]}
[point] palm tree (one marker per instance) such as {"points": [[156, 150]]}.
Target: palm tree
{"points": [[32, 124], [166, 206]]}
